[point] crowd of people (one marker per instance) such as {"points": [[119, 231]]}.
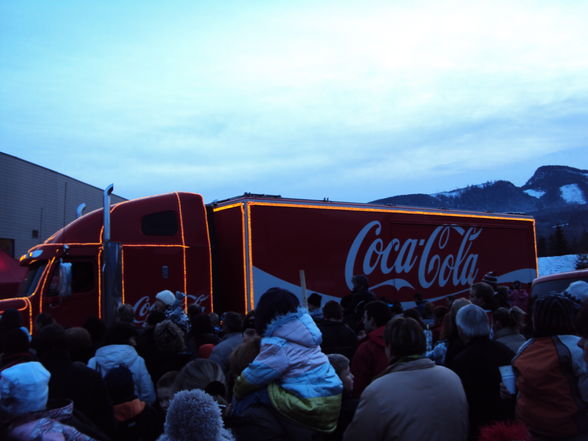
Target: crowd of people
{"points": [[494, 365]]}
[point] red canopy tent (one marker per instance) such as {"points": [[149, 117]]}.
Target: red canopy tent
{"points": [[11, 275]]}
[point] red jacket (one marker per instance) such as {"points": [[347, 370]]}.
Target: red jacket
{"points": [[369, 360]]}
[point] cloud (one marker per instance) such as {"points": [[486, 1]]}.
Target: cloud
{"points": [[356, 101]]}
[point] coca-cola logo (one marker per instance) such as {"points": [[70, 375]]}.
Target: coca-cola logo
{"points": [[143, 306], [433, 258]]}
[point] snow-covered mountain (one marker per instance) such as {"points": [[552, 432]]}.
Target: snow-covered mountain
{"points": [[551, 186], [554, 195]]}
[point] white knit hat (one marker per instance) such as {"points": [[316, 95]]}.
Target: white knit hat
{"points": [[167, 297], [24, 388]]}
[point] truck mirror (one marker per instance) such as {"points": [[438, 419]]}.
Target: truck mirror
{"points": [[64, 279]]}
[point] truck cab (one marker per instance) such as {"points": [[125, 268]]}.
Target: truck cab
{"points": [[156, 243]]}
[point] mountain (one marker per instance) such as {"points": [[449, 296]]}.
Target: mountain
{"points": [[555, 195]]}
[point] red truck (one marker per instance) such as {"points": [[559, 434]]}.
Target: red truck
{"points": [[224, 255]]}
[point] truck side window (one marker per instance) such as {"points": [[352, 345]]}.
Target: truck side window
{"points": [[164, 223], [82, 278]]}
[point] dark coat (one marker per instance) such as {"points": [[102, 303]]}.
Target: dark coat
{"points": [[137, 421], [85, 387], [338, 338], [264, 423], [477, 367]]}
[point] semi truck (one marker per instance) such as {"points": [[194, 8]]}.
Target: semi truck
{"points": [[225, 254]]}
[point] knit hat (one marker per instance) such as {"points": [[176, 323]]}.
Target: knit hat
{"points": [[24, 388], [166, 297], [491, 279], [193, 415], [120, 384]]}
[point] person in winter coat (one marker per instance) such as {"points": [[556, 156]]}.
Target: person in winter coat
{"points": [[203, 374], [73, 380], [519, 296], [24, 392], [258, 421], [169, 352], [135, 419], [349, 403], [552, 380], [507, 325], [201, 332], [171, 304], [194, 416], [450, 343], [233, 336], [354, 302], [9, 320], [413, 399], [370, 357], [119, 350], [338, 338], [17, 348], [477, 367], [291, 373]]}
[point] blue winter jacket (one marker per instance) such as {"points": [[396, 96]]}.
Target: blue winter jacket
{"points": [[301, 382], [111, 356]]}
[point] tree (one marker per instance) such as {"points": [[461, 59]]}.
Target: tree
{"points": [[559, 243], [542, 248]]}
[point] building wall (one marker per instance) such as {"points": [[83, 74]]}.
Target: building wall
{"points": [[35, 202]]}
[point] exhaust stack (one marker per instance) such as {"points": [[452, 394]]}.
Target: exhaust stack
{"points": [[107, 192]]}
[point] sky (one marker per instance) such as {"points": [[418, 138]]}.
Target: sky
{"points": [[350, 100]]}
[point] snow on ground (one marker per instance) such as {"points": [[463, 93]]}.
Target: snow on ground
{"points": [[572, 194], [557, 264], [535, 193]]}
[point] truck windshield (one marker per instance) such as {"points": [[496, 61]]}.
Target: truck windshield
{"points": [[32, 278]]}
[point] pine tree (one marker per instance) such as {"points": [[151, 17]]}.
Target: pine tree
{"points": [[559, 243]]}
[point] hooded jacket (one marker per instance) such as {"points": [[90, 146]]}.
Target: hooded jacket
{"points": [[46, 425], [24, 388], [302, 385], [369, 360], [111, 356]]}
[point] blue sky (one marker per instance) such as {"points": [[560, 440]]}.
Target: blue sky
{"points": [[352, 100]]}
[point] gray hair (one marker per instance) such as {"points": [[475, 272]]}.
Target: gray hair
{"points": [[472, 321]]}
